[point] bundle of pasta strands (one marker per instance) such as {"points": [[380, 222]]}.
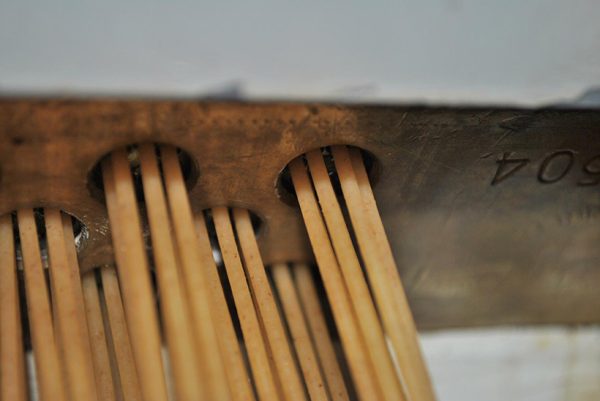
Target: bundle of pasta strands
{"points": [[216, 351], [380, 370], [112, 357], [43, 240], [303, 312], [273, 366], [171, 322], [186, 300], [289, 350]]}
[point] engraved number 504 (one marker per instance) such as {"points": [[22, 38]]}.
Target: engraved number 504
{"points": [[553, 168]]}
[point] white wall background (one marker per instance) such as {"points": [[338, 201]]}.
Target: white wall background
{"points": [[520, 52], [528, 52]]}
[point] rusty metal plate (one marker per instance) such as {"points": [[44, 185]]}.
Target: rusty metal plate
{"points": [[493, 214]]}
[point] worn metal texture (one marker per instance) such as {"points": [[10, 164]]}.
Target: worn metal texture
{"points": [[493, 214]]}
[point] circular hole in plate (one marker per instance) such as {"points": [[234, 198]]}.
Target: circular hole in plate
{"points": [[284, 186], [95, 183]]}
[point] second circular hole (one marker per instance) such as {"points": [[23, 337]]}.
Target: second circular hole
{"points": [[284, 186]]}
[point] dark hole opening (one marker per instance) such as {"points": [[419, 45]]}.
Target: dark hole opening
{"points": [[95, 181], [285, 187], [80, 232]]}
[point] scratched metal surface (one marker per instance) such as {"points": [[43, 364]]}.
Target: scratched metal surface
{"points": [[493, 214]]}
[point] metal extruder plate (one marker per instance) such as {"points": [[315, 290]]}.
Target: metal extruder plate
{"points": [[493, 214]]}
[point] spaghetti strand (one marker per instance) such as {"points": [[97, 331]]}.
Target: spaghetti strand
{"points": [[51, 383], [317, 324], [134, 274], [258, 355], [237, 375], [199, 296], [70, 316], [12, 354], [354, 278], [267, 309], [344, 316], [99, 343], [305, 350], [396, 315], [188, 381]]}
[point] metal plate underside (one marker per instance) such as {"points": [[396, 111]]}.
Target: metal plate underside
{"points": [[493, 214]]}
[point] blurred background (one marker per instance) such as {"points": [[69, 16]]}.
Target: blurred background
{"points": [[528, 53]]}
